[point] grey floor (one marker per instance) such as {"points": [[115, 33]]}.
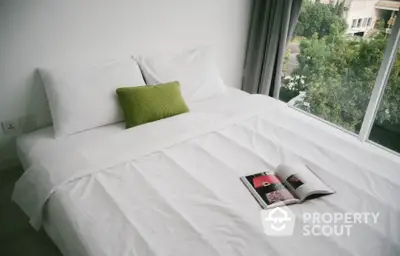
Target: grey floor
{"points": [[17, 237]]}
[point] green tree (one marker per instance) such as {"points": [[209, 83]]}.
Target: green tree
{"points": [[339, 76], [338, 8], [321, 19], [337, 73]]}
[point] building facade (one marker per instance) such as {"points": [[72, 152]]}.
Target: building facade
{"points": [[362, 15]]}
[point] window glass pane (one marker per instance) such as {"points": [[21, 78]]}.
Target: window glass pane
{"points": [[369, 22], [354, 23], [386, 128], [359, 22], [330, 68], [364, 22]]}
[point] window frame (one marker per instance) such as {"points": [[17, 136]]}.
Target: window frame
{"points": [[354, 137], [389, 56]]}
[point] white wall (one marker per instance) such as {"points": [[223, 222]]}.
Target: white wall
{"points": [[57, 33]]}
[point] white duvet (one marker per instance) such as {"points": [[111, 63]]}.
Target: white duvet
{"points": [[172, 187]]}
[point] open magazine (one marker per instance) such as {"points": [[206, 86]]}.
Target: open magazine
{"points": [[287, 185]]}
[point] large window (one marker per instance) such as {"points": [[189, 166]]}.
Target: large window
{"points": [[385, 129], [339, 74]]}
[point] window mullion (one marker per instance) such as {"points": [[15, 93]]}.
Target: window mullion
{"points": [[381, 81]]}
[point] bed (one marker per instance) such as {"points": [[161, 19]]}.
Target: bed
{"points": [[172, 187]]}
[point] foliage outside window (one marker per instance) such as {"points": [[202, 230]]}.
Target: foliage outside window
{"points": [[335, 73]]}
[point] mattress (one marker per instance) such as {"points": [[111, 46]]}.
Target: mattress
{"points": [[172, 187]]}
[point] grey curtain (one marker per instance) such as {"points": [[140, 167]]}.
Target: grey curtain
{"points": [[272, 25]]}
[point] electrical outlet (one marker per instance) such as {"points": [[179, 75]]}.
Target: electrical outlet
{"points": [[11, 127], [19, 125]]}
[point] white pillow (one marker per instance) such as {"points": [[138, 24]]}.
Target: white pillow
{"points": [[84, 98], [195, 70]]}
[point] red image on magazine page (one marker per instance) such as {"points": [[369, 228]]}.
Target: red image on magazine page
{"points": [[265, 180]]}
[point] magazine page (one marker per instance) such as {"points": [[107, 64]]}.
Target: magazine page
{"points": [[302, 181], [268, 190]]}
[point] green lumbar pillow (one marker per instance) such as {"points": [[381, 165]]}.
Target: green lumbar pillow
{"points": [[144, 104]]}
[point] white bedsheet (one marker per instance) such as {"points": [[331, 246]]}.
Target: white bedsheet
{"points": [[172, 188], [34, 147]]}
